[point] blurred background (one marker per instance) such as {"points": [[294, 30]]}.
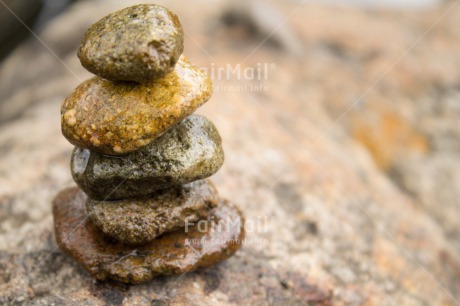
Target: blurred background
{"points": [[342, 129]]}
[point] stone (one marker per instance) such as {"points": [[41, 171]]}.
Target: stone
{"points": [[189, 151], [116, 118], [140, 43], [176, 252], [342, 226], [140, 221]]}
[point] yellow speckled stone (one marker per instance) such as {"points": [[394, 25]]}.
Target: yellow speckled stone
{"points": [[116, 118]]}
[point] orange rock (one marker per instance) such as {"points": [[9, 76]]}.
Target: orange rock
{"points": [[181, 251]]}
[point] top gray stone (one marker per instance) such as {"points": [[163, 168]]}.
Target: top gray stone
{"points": [[140, 43]]}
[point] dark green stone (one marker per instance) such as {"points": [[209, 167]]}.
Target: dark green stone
{"points": [[189, 151]]}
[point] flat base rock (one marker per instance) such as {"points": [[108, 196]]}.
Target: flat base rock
{"points": [[204, 244]]}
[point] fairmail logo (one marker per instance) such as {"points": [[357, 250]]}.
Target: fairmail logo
{"points": [[259, 72]]}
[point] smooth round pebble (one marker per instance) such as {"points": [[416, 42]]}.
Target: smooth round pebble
{"points": [[140, 43], [116, 118], [189, 151]]}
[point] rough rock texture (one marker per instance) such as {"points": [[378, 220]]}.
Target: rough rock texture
{"points": [[117, 117], [402, 103], [140, 221], [184, 250], [339, 230], [140, 43], [187, 152]]}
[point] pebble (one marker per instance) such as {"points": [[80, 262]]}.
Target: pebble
{"points": [[178, 252], [140, 43], [116, 118], [189, 151], [140, 221]]}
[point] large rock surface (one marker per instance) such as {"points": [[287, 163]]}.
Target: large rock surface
{"points": [[335, 228]]}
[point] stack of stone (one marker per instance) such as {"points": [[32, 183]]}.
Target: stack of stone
{"points": [[142, 158]]}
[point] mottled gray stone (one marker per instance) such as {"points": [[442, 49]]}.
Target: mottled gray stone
{"points": [[139, 43], [138, 221], [189, 151]]}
